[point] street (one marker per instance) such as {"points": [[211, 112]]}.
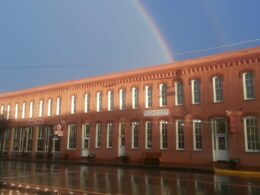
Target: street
{"points": [[79, 179]]}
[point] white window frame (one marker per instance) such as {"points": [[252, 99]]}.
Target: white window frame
{"points": [[218, 89], [179, 93], [58, 106], [99, 101], [180, 135], [248, 84], [163, 97], [41, 108], [135, 127], [135, 98], [148, 96], [253, 128], [23, 110], [31, 109], [110, 100], [110, 129], [148, 135], [8, 112], [197, 135], [87, 102], [86, 128], [72, 146], [2, 109], [49, 112], [195, 91], [122, 99], [73, 104], [98, 142], [164, 134], [16, 112]]}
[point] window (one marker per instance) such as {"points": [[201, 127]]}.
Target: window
{"points": [[252, 134], [135, 130], [49, 112], [195, 84], [72, 136], [5, 140], [149, 135], [179, 135], [41, 108], [86, 136], [248, 85], [218, 89], [122, 128], [99, 101], [197, 135], [31, 110], [98, 135], [16, 113], [110, 127], [163, 95], [122, 100], [87, 103], [179, 93], [58, 106], [44, 134], [110, 101], [73, 104], [8, 111], [17, 142], [164, 134], [2, 109], [23, 110], [135, 98], [148, 97]]}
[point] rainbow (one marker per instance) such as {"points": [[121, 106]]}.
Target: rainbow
{"points": [[168, 54]]}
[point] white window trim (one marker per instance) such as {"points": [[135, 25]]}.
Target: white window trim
{"points": [[8, 111], [134, 92], [49, 107], [193, 91], [146, 96], [161, 98], [161, 135], [245, 133], [58, 106], [133, 124], [194, 134], [73, 104], [146, 135], [31, 110], [244, 86], [96, 141], [214, 89], [109, 100], [68, 137], [177, 135], [99, 101], [2, 109], [121, 100], [108, 125], [176, 94], [23, 110], [41, 108], [16, 115]]}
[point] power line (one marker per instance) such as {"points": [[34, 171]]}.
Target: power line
{"points": [[175, 54]]}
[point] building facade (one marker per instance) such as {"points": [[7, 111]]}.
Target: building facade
{"points": [[193, 112]]}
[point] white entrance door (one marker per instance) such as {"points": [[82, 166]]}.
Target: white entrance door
{"points": [[121, 139], [220, 140], [85, 140]]}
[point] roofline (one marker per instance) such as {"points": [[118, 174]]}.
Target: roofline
{"points": [[180, 64]]}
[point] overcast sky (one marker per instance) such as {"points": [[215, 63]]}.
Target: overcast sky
{"points": [[43, 42]]}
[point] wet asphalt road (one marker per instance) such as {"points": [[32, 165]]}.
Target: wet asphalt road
{"points": [[80, 179]]}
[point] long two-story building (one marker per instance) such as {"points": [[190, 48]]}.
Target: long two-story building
{"points": [[193, 112]]}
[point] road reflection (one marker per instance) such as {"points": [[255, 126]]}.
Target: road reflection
{"points": [[111, 180]]}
